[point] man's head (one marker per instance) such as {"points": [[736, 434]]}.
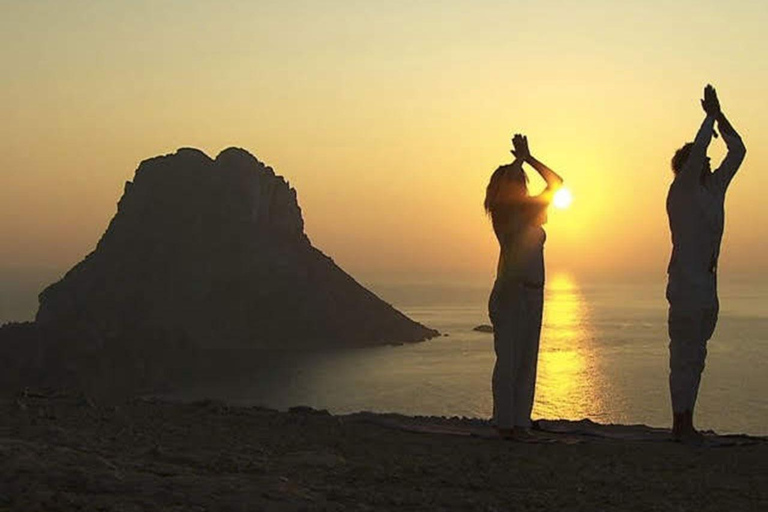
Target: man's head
{"points": [[681, 156]]}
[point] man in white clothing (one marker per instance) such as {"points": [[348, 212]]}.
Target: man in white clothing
{"points": [[695, 206]]}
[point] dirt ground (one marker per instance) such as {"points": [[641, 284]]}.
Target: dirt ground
{"points": [[68, 453]]}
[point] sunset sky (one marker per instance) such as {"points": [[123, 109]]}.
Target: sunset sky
{"points": [[388, 118]]}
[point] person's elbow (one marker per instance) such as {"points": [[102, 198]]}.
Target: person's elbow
{"points": [[742, 148], [738, 149], [734, 142], [553, 187]]}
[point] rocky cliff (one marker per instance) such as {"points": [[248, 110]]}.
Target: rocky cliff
{"points": [[213, 253]]}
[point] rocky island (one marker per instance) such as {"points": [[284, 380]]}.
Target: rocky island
{"points": [[203, 254]]}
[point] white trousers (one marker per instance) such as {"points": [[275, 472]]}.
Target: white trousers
{"points": [[689, 331], [515, 311]]}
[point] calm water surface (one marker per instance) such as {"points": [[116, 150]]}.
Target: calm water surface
{"points": [[603, 356]]}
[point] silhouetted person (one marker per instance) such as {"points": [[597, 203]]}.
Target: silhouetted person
{"points": [[516, 302], [695, 206]]}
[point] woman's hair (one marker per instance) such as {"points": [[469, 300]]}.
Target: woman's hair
{"points": [[508, 183], [498, 191]]}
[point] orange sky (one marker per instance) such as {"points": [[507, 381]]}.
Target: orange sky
{"points": [[387, 118]]}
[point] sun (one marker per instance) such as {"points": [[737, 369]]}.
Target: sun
{"points": [[563, 198]]}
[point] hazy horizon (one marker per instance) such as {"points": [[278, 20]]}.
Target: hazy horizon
{"points": [[21, 286], [388, 120]]}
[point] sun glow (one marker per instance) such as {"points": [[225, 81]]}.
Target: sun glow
{"points": [[568, 383], [563, 198]]}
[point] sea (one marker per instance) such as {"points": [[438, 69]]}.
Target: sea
{"points": [[603, 356]]}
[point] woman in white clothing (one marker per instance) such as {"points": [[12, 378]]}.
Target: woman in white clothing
{"points": [[516, 302]]}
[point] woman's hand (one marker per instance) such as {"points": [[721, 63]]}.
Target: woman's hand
{"points": [[520, 144]]}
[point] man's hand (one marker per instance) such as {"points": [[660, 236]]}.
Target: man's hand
{"points": [[520, 143], [710, 103]]}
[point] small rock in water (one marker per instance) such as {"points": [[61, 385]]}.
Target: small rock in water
{"points": [[484, 328]]}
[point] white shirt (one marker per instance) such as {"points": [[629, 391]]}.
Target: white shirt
{"points": [[695, 207]]}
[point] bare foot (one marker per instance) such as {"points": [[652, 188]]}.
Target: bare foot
{"points": [[683, 430], [520, 434], [691, 437], [524, 434]]}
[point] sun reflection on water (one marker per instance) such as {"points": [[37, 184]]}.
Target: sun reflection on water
{"points": [[568, 384]]}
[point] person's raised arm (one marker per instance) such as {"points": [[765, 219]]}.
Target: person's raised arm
{"points": [[691, 171], [551, 178], [736, 152]]}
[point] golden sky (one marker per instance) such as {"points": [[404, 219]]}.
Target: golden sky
{"points": [[388, 117]]}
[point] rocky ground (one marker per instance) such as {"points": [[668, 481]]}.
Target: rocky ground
{"points": [[68, 453]]}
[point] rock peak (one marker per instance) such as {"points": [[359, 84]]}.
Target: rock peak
{"points": [[214, 251]]}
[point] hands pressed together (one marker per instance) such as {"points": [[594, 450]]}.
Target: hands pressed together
{"points": [[710, 103], [523, 154], [520, 145]]}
